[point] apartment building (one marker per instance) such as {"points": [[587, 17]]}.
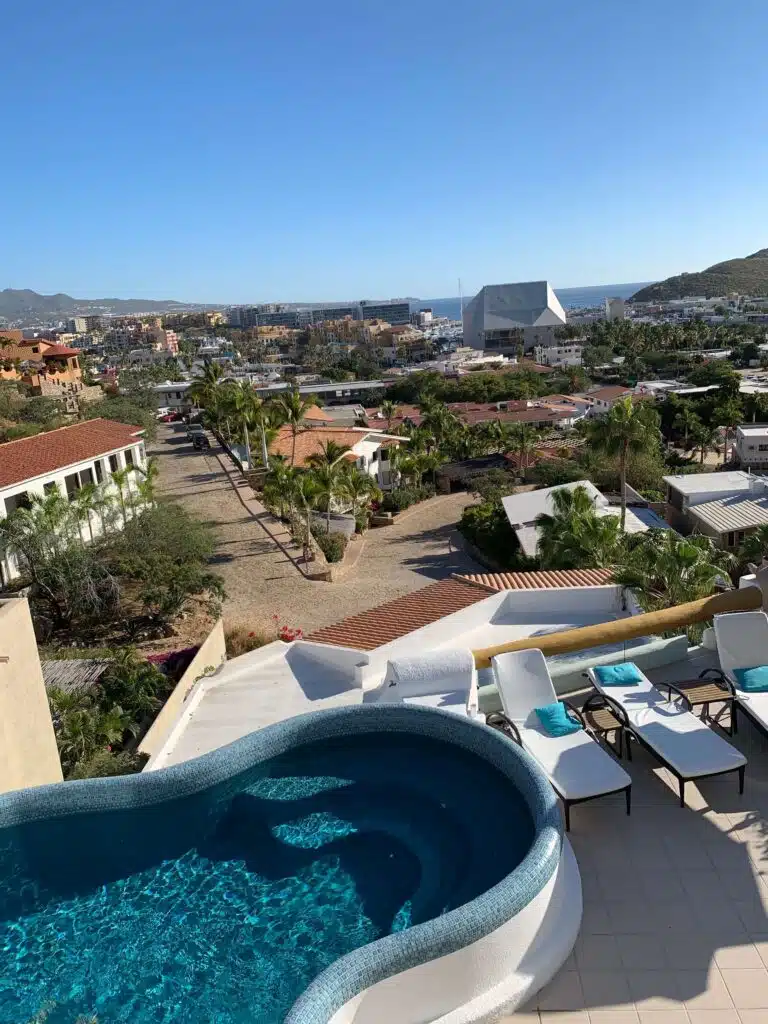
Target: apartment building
{"points": [[751, 448], [563, 355]]}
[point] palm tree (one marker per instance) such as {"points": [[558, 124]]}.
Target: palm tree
{"points": [[260, 417], [573, 535], [755, 547], [306, 492], [729, 414], [705, 439], [328, 455], [628, 429], [330, 480], [664, 569], [522, 438], [204, 388], [82, 506], [361, 489], [293, 408], [686, 422], [121, 478], [150, 472], [278, 485], [389, 411]]}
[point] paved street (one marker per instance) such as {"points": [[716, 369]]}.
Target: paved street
{"points": [[261, 581]]}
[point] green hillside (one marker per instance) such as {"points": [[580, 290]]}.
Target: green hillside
{"points": [[747, 276]]}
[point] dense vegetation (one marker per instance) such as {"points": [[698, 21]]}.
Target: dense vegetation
{"points": [[745, 276]]}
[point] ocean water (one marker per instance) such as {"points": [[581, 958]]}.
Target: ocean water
{"points": [[220, 908], [570, 298]]}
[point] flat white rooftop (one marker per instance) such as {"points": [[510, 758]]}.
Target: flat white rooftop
{"points": [[696, 483]]}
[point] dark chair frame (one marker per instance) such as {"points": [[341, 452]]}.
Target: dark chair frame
{"points": [[498, 720]]}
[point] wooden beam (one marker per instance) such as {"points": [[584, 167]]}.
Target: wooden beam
{"points": [[617, 630]]}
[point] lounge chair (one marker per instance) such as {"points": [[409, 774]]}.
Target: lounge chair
{"points": [[671, 732], [576, 765], [445, 679], [742, 642]]}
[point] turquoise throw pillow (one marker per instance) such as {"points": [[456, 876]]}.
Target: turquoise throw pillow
{"points": [[555, 721], [627, 674], [752, 680]]}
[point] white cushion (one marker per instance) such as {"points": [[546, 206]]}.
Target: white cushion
{"points": [[576, 765], [678, 736], [756, 704], [455, 700]]}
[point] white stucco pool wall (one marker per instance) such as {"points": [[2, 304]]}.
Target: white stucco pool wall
{"points": [[495, 975]]}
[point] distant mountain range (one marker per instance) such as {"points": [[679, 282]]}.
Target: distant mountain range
{"points": [[21, 303], [746, 276]]}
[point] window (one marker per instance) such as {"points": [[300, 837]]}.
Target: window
{"points": [[51, 488], [114, 465], [178, 395], [142, 453], [72, 485], [86, 477], [20, 500], [99, 469], [128, 456], [761, 447], [730, 540]]}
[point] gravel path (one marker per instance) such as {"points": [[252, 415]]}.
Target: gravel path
{"points": [[261, 582]]}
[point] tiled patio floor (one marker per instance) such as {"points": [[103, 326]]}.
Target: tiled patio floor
{"points": [[675, 925]]}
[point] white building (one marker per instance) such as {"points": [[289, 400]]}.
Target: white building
{"points": [[501, 316], [603, 399], [173, 395], [752, 445], [567, 353], [615, 309], [63, 461]]}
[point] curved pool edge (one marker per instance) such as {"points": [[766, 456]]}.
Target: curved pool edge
{"points": [[358, 971]]}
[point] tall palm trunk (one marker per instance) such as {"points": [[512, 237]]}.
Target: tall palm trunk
{"points": [[623, 483], [293, 444]]}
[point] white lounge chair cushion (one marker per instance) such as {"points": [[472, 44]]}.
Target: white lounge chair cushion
{"points": [[742, 642], [678, 736], [576, 765]]}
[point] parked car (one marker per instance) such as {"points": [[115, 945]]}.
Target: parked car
{"points": [[200, 442], [170, 417], [195, 428]]}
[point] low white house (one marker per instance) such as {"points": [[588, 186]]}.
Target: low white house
{"points": [[603, 399], [752, 445], [172, 395], [567, 354], [65, 460]]}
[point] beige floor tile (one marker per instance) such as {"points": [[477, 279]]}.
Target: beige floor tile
{"points": [[760, 943], [704, 990], [754, 1016], [614, 1017], [664, 1017], [714, 1016], [753, 916], [563, 1017], [740, 956], [606, 990], [687, 951], [597, 953], [595, 920], [748, 988], [641, 952], [562, 993], [655, 990]]}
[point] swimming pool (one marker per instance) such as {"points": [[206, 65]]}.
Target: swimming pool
{"points": [[221, 889]]}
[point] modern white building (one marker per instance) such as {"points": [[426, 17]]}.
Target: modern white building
{"points": [[687, 492], [752, 445], [173, 395], [501, 316], [603, 399], [63, 461]]}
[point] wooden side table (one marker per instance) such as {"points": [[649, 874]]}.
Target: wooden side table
{"points": [[703, 691], [600, 721]]}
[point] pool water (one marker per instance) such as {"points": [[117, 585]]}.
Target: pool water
{"points": [[223, 906]]}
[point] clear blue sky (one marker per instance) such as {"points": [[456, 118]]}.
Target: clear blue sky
{"points": [[299, 150]]}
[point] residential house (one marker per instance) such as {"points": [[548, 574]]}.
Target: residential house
{"points": [[369, 449], [524, 509], [564, 354], [603, 399], [725, 506], [62, 461]]}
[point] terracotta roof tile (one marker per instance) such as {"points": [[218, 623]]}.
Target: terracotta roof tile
{"points": [[311, 440], [60, 351], [609, 393], [45, 453], [397, 618], [318, 415], [560, 578]]}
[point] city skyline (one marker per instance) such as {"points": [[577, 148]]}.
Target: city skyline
{"points": [[238, 151]]}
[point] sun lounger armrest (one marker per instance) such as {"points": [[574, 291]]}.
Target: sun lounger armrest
{"points": [[615, 707], [498, 720], [670, 687], [574, 713], [720, 678]]}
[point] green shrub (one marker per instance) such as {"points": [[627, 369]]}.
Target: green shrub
{"points": [[333, 545], [105, 763], [403, 497], [487, 527]]}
